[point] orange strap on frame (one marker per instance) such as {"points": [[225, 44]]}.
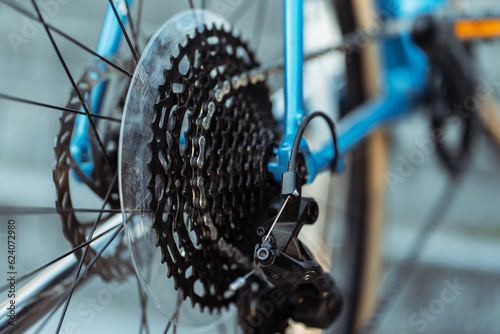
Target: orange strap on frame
{"points": [[477, 28]]}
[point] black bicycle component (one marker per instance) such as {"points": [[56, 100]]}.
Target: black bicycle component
{"points": [[209, 193], [266, 310], [291, 182], [453, 86], [293, 163], [74, 230], [312, 297]]}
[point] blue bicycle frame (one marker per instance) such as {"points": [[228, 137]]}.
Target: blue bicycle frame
{"points": [[109, 43], [404, 86]]}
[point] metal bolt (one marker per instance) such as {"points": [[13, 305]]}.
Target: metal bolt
{"points": [[313, 211], [263, 254], [261, 231], [307, 277]]}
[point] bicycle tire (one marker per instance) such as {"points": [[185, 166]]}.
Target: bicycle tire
{"points": [[365, 194]]}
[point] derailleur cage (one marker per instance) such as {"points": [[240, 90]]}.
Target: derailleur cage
{"points": [[312, 295]]}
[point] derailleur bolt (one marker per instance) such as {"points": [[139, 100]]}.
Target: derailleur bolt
{"points": [[263, 254]]}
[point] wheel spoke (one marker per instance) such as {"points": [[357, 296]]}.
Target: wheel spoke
{"points": [[80, 278], [49, 106], [5, 211], [169, 324], [143, 298], [223, 328], [23, 11], [258, 27], [132, 27], [241, 10], [82, 260], [59, 258], [175, 316], [191, 6], [124, 31], [73, 83], [139, 19]]}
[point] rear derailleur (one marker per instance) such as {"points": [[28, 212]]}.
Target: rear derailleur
{"points": [[298, 288]]}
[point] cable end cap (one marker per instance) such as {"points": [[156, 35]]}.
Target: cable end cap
{"points": [[291, 184]]}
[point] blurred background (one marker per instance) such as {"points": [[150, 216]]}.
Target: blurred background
{"points": [[465, 249]]}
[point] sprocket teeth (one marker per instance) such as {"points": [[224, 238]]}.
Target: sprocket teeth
{"points": [[192, 301], [172, 61], [222, 163]]}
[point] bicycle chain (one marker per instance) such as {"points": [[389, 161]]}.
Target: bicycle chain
{"points": [[210, 193], [351, 43]]}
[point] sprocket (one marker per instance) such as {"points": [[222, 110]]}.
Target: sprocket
{"points": [[208, 186]]}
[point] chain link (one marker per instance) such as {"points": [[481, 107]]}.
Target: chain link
{"points": [[352, 42]]}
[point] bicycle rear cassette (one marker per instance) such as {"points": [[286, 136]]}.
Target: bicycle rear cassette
{"points": [[196, 129]]}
